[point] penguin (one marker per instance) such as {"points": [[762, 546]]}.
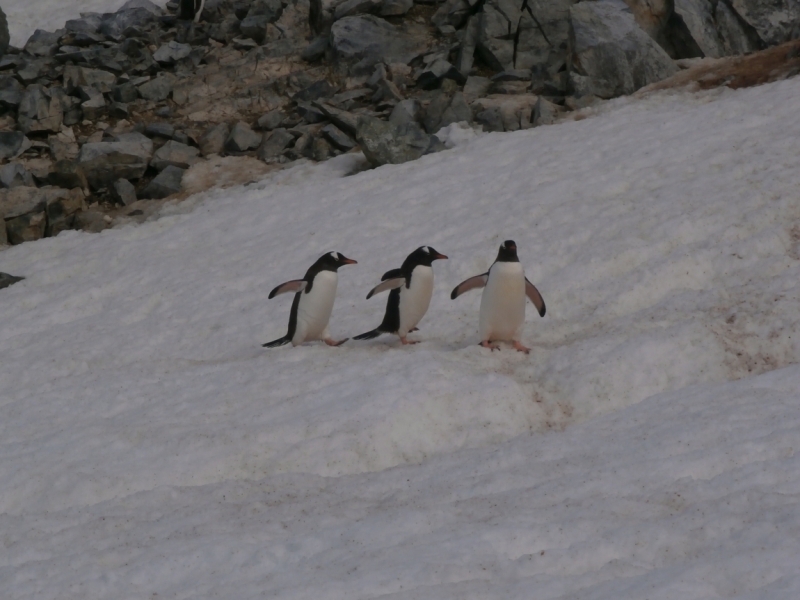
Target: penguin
{"points": [[411, 289], [313, 302], [505, 286], [192, 9]]}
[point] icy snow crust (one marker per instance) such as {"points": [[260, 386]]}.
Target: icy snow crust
{"points": [[149, 445]]}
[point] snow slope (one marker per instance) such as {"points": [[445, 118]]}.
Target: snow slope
{"points": [[150, 448]]}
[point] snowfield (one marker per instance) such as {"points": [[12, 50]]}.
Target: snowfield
{"points": [[646, 448]]}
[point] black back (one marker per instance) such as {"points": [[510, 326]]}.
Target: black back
{"points": [[507, 252], [422, 256]]}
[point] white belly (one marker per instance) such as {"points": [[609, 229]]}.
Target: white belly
{"points": [[502, 313], [314, 310], [415, 300]]}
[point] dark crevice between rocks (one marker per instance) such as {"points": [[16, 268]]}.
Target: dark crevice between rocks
{"points": [[679, 40]]}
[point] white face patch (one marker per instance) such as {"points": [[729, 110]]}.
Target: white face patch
{"points": [[427, 249], [335, 255]]}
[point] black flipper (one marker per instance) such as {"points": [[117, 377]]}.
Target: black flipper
{"points": [[277, 343], [369, 335]]}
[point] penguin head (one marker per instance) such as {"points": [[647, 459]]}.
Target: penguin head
{"points": [[331, 261], [424, 255], [507, 252]]}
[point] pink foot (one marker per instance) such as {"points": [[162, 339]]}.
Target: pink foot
{"points": [[334, 343], [520, 348], [407, 342], [488, 344]]}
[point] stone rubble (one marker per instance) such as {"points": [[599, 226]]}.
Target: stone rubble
{"points": [[108, 114]]}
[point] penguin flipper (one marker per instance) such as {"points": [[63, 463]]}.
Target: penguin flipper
{"points": [[277, 343], [295, 285], [534, 296], [368, 335], [472, 283], [388, 284]]}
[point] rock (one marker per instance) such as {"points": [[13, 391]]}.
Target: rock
{"points": [[382, 142], [75, 77], [316, 49], [67, 174], [362, 41], [433, 112], [458, 111], [175, 154], [274, 144], [118, 110], [126, 93], [115, 24], [213, 140], [310, 113], [316, 91], [386, 92], [6, 279], [164, 130], [12, 143], [321, 150], [171, 52], [40, 110], [545, 112], [61, 207], [43, 43], [469, 42], [4, 36], [452, 13], [18, 201], [95, 107], [609, 48], [775, 21], [105, 162], [431, 76], [405, 111], [164, 184], [92, 221], [734, 36], [10, 92], [123, 192], [394, 8], [63, 145], [271, 9], [476, 87], [26, 228], [159, 88], [344, 120], [89, 23], [242, 138], [14, 175], [504, 112], [271, 120], [338, 138], [3, 238]]}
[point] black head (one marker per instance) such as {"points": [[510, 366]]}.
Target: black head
{"points": [[507, 252], [331, 261], [424, 255]]}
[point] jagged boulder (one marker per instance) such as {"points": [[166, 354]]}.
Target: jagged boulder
{"points": [[385, 143], [362, 41], [775, 21], [40, 109], [610, 54], [105, 162]]}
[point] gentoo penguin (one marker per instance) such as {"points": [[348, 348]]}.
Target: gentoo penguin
{"points": [[411, 288], [192, 9], [503, 302], [313, 302]]}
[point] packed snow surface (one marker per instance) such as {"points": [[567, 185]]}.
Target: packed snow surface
{"points": [[646, 448]]}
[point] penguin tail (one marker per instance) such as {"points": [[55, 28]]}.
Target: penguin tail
{"points": [[369, 335], [277, 343]]}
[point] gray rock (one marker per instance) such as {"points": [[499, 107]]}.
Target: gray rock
{"points": [[89, 23], [67, 174], [316, 91], [118, 110], [344, 120], [164, 184], [543, 34], [158, 89], [321, 150], [338, 138], [452, 13], [775, 21], [21, 201], [174, 154], [271, 9], [405, 111], [43, 43], [310, 113], [274, 144], [164, 130], [11, 143], [395, 8], [40, 110], [242, 138], [469, 42], [115, 24], [609, 48], [698, 15], [61, 207], [94, 107], [76, 77], [14, 175], [362, 41], [26, 228], [123, 192], [213, 140], [458, 111], [6, 279], [125, 92], [733, 35], [255, 27], [105, 162], [382, 142], [92, 221], [316, 49], [63, 146], [490, 119], [3, 240], [504, 113], [171, 52], [432, 115], [545, 112], [476, 87], [10, 92], [4, 39], [356, 7], [431, 76], [35, 69], [271, 120], [145, 4]]}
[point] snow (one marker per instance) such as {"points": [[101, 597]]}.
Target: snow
{"points": [[646, 448], [52, 14]]}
